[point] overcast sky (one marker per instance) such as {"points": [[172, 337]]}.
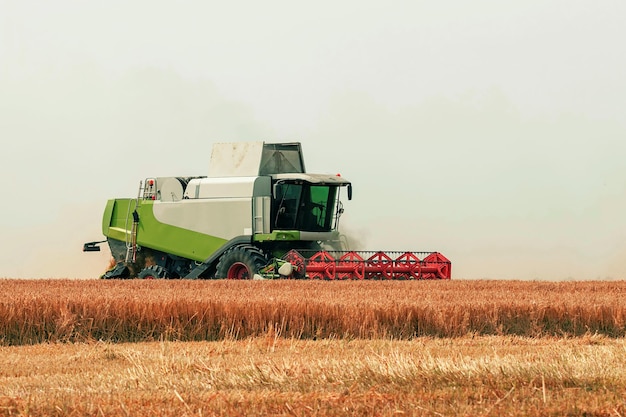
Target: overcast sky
{"points": [[493, 132]]}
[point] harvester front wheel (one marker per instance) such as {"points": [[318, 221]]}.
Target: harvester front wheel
{"points": [[240, 262]]}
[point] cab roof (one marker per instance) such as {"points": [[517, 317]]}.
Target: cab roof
{"points": [[325, 179]]}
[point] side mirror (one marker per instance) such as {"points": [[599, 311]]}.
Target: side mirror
{"points": [[349, 191]]}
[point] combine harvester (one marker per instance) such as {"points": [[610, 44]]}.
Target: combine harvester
{"points": [[257, 215]]}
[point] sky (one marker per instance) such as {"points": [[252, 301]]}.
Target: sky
{"points": [[493, 132]]}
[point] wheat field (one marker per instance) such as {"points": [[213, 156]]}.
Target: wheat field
{"points": [[312, 348], [36, 311]]}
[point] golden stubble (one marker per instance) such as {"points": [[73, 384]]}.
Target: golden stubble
{"points": [[471, 375]]}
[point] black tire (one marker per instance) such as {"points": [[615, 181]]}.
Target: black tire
{"points": [[120, 270], [153, 272], [240, 262]]}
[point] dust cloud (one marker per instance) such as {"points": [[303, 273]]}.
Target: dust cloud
{"points": [[78, 138], [500, 194], [503, 195]]}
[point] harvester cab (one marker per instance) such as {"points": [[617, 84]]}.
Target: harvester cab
{"points": [[257, 214]]}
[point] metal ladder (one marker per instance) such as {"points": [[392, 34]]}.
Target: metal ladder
{"points": [[131, 241]]}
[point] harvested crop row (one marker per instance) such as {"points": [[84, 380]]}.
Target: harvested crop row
{"points": [[465, 376]]}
